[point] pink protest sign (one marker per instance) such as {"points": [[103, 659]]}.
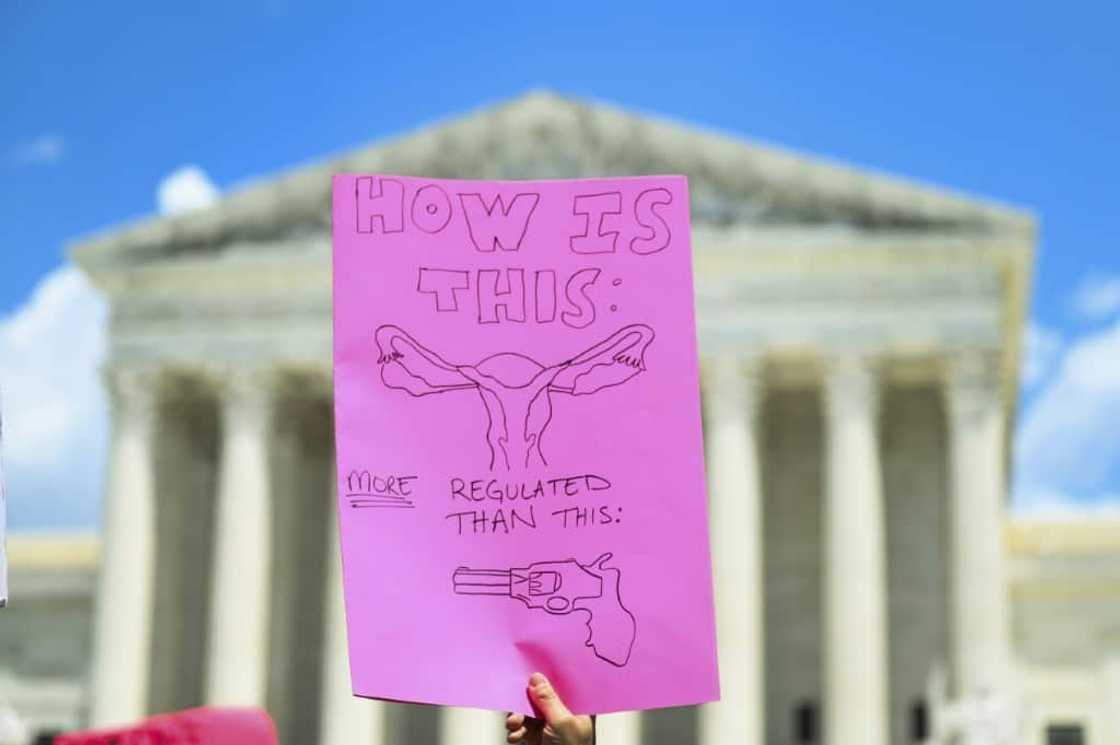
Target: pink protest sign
{"points": [[204, 726], [520, 467]]}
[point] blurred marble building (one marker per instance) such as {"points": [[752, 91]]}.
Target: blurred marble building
{"points": [[860, 342], [45, 635]]}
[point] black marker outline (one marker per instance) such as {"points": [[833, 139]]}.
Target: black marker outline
{"points": [[497, 201], [598, 228], [369, 181], [497, 275], [588, 318], [664, 223], [543, 582], [420, 223], [550, 316], [455, 288], [419, 371], [362, 491]]}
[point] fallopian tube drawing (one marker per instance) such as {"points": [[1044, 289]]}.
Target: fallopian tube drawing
{"points": [[515, 389], [560, 587]]}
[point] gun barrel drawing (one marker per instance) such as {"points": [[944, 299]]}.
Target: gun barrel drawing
{"points": [[482, 581]]}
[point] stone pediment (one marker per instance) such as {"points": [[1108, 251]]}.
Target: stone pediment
{"points": [[542, 135]]}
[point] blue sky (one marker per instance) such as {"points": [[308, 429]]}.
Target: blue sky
{"points": [[1008, 101]]}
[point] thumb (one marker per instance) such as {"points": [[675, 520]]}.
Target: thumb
{"points": [[546, 699]]}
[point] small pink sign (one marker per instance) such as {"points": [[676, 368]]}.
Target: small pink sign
{"points": [[520, 464], [203, 726]]}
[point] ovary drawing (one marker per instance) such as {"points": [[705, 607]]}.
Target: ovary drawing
{"points": [[516, 390]]}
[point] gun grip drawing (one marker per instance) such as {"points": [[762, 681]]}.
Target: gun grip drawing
{"points": [[559, 588]]}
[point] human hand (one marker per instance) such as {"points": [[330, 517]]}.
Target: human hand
{"points": [[558, 725]]}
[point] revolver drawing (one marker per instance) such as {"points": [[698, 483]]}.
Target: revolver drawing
{"points": [[561, 587]]}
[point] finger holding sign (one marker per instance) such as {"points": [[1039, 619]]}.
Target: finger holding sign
{"points": [[556, 725]]}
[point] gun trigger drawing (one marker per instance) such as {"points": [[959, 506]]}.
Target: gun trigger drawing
{"points": [[559, 588]]}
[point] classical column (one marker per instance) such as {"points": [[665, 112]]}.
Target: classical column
{"points": [[623, 728], [238, 654], [470, 727], [735, 513], [980, 621], [855, 643], [1111, 678], [345, 719], [123, 625]]}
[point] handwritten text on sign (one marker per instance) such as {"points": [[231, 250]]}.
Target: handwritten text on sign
{"points": [[499, 226], [520, 466]]}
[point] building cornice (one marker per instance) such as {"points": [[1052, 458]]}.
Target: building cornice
{"points": [[1036, 537], [543, 135], [63, 552]]}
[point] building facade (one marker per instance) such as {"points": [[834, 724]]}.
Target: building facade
{"points": [[860, 342], [1065, 595], [45, 636]]}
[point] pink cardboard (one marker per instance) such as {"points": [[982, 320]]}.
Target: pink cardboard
{"points": [[202, 726], [520, 464]]}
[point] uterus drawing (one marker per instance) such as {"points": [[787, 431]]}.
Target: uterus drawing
{"points": [[517, 391]]}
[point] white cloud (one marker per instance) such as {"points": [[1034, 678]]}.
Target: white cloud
{"points": [[55, 414], [1067, 449], [46, 149], [184, 189], [1098, 297], [1041, 347]]}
